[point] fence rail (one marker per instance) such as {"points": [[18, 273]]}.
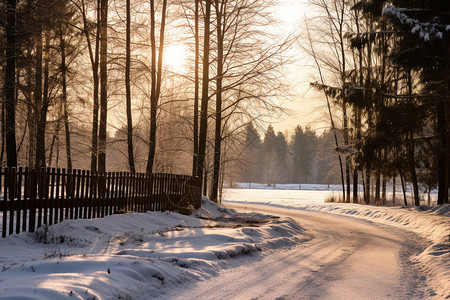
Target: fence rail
{"points": [[30, 198]]}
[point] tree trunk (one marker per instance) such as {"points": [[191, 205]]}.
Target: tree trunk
{"points": [[412, 165], [37, 96], [358, 138], [218, 128], [355, 185], [393, 190], [367, 190], [64, 97], [346, 142], [403, 189], [103, 85], [377, 186], [441, 159], [347, 175], [94, 58], [153, 104], [447, 143], [2, 153], [443, 117], [205, 96], [43, 108], [447, 157], [156, 79], [196, 87], [384, 182], [128, 90], [31, 128], [10, 84], [205, 182], [54, 139], [411, 150]]}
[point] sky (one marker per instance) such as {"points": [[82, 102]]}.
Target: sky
{"points": [[305, 105]]}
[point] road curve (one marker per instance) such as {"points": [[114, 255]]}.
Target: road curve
{"points": [[346, 259]]}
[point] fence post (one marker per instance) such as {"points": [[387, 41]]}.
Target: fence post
{"points": [[114, 193], [57, 200], [62, 211], [12, 192], [152, 192], [5, 200], [92, 194], [83, 194], [26, 196], [76, 202], [45, 196], [20, 203]]}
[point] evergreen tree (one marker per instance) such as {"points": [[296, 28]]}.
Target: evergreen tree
{"points": [[303, 148], [275, 157], [252, 159], [425, 47]]}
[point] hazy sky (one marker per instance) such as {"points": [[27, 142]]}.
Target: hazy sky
{"points": [[305, 105]]}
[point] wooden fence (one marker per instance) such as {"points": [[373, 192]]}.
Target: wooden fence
{"points": [[30, 198]]}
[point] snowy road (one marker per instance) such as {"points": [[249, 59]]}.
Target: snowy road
{"points": [[346, 259]]}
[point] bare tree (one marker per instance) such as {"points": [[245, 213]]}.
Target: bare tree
{"points": [[94, 55], [128, 89], [103, 85], [65, 104], [220, 15], [196, 88], [205, 92], [10, 87], [44, 97], [248, 73], [156, 75], [322, 86]]}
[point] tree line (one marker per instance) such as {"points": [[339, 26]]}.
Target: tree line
{"points": [[278, 158], [86, 83], [383, 68]]}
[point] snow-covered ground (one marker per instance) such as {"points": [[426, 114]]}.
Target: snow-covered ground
{"points": [[134, 256], [429, 222], [337, 187], [289, 186], [171, 256]]}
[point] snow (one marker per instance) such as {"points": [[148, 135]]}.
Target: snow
{"points": [[429, 222], [427, 31], [171, 256], [134, 256], [289, 186]]}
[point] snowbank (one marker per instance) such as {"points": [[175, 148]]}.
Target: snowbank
{"points": [[134, 256]]}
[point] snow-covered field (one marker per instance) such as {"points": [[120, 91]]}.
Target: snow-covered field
{"points": [[166, 255], [290, 186], [337, 187], [430, 222]]}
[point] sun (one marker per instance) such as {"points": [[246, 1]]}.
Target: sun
{"points": [[175, 57]]}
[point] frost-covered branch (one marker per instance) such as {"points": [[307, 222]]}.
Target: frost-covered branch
{"points": [[427, 31]]}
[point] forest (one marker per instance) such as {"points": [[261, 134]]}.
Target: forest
{"points": [[383, 68], [302, 157], [189, 87]]}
